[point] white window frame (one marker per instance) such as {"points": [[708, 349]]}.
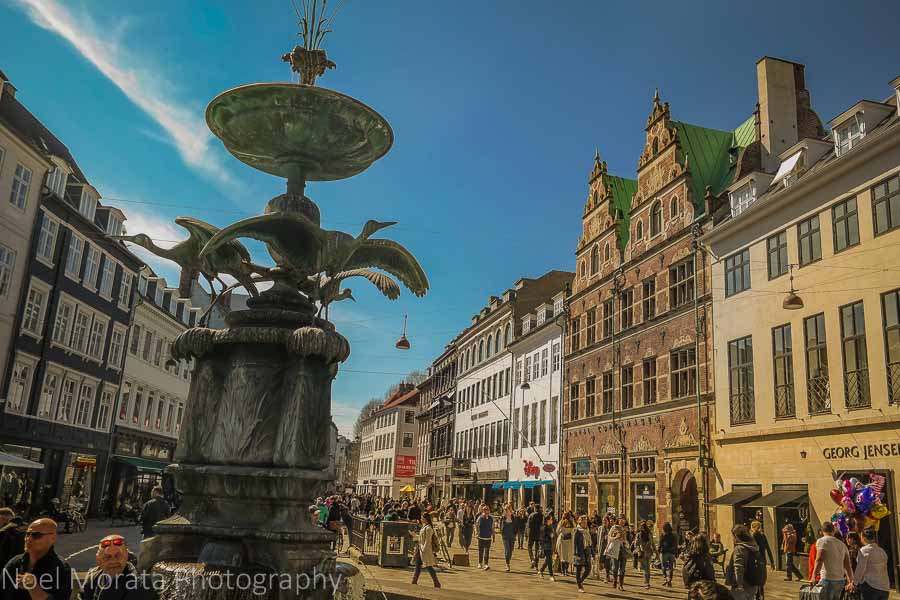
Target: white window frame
{"points": [[68, 416], [159, 293], [87, 205], [81, 345], [843, 145], [107, 277], [742, 198], [113, 225], [42, 290], [7, 267], [19, 405], [91, 268], [125, 289], [46, 245], [21, 185], [84, 404], [73, 264], [56, 181], [116, 349], [62, 324], [47, 406], [97, 340], [107, 404]]}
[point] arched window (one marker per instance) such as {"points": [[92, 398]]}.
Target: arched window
{"points": [[497, 342], [639, 231], [481, 351], [606, 255], [655, 146], [490, 346], [466, 361], [595, 260], [655, 219], [674, 208], [583, 270], [508, 334]]}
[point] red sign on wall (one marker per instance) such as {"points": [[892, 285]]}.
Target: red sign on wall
{"points": [[405, 466]]}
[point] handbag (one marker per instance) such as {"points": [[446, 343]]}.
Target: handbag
{"points": [[811, 592]]}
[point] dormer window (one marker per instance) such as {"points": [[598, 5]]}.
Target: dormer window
{"points": [[113, 225], [742, 198], [142, 285], [526, 325], [558, 306], [541, 316], [88, 205], [849, 134], [158, 297], [56, 181]]}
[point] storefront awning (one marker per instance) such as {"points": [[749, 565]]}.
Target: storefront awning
{"points": [[145, 465], [11, 460], [778, 498], [737, 496]]}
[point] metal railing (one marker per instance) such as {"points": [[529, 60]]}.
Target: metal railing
{"points": [[742, 408], [856, 389], [818, 394], [893, 370], [784, 401]]}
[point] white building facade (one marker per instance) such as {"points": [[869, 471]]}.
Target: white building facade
{"points": [[536, 406], [387, 455]]}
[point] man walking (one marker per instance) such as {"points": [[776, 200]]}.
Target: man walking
{"points": [[484, 527], [832, 564], [533, 525], [38, 573], [155, 510]]}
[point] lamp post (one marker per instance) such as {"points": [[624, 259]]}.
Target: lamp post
{"points": [[618, 431], [703, 517]]}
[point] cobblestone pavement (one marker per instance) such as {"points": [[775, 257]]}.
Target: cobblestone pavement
{"points": [[523, 583]]}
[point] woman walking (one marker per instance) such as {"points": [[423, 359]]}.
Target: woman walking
{"points": [[521, 519], [698, 564], [765, 551], [616, 552], [547, 537], [466, 526], [450, 524], [565, 542], [424, 555], [484, 528], [643, 550], [668, 549], [603, 533], [508, 533], [581, 545], [871, 574]]}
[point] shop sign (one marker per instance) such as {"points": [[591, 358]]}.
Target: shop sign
{"points": [[405, 466], [864, 451], [531, 470], [548, 468]]}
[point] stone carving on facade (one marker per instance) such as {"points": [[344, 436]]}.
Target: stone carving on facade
{"points": [[683, 340], [684, 438], [642, 444], [608, 448]]}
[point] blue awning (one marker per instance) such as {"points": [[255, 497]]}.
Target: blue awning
{"points": [[512, 485], [496, 486], [534, 484]]}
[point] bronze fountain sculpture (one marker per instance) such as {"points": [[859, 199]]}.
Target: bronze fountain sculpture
{"points": [[253, 450]]}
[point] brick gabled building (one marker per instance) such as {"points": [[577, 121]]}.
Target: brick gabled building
{"points": [[631, 424]]}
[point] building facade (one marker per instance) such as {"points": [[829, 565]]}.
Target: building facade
{"points": [[440, 411], [638, 393], [153, 393], [387, 455], [809, 252], [536, 403], [24, 164], [484, 388], [74, 308]]}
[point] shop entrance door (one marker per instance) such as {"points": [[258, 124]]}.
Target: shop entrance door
{"points": [[685, 502], [887, 530]]}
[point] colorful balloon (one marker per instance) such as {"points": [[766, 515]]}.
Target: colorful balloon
{"points": [[847, 506], [855, 483], [837, 496], [879, 511], [865, 499], [848, 488]]}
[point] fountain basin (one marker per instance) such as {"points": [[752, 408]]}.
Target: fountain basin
{"points": [[288, 129]]}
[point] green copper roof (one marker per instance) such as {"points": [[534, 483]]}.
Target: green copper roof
{"points": [[708, 158], [745, 134], [622, 191]]}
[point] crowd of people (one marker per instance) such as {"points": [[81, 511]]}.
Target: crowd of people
{"points": [[604, 547]]}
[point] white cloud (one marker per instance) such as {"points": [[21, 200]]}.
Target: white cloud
{"points": [[145, 87]]}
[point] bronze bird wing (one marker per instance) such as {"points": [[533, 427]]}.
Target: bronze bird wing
{"points": [[393, 258], [385, 284]]}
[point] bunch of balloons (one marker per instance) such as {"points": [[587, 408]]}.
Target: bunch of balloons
{"points": [[859, 501]]}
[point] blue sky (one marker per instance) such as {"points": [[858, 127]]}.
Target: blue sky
{"points": [[497, 108]]}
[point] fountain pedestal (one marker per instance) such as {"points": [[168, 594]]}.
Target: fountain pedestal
{"points": [[254, 451]]}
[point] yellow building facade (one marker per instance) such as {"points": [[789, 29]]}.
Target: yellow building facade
{"points": [[806, 329]]}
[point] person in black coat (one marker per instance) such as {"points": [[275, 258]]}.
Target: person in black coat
{"points": [[533, 527], [698, 565], [12, 539], [154, 510], [547, 541], [38, 569]]}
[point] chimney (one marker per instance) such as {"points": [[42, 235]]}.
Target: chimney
{"points": [[6, 87], [896, 85], [781, 88]]}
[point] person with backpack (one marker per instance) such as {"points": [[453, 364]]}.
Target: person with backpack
{"points": [[746, 571], [698, 563], [668, 550]]}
